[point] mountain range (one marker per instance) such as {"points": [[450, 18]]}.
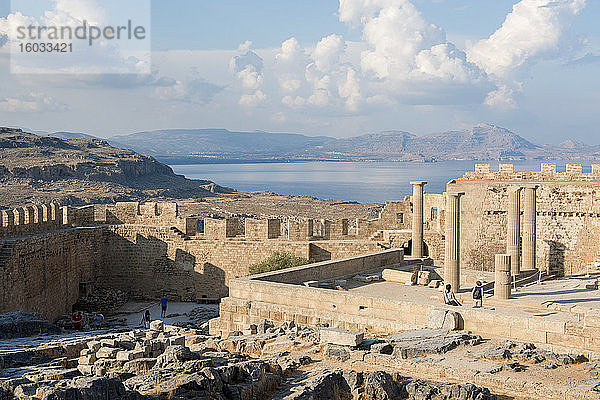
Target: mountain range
{"points": [[481, 142]]}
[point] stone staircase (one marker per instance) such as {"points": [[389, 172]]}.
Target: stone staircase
{"points": [[177, 232], [5, 251]]}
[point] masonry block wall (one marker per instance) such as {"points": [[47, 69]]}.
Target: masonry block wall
{"points": [[568, 215], [42, 272]]}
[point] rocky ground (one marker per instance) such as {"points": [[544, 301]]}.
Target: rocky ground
{"points": [[290, 362]]}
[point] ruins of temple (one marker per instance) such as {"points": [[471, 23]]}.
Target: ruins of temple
{"points": [[500, 225]]}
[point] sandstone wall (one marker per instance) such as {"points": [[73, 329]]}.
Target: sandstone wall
{"points": [[568, 216], [42, 273]]}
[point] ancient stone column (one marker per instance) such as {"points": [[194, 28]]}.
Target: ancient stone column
{"points": [[529, 229], [417, 220], [513, 234], [452, 255], [502, 278]]}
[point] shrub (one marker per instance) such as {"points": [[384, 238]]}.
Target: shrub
{"points": [[277, 261]]}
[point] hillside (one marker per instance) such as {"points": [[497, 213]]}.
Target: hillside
{"points": [[482, 142], [219, 143], [81, 170]]}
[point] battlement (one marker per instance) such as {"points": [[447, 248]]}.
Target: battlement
{"points": [[31, 219], [548, 172]]}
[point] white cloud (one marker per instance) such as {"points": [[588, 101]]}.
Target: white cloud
{"points": [[502, 99], [32, 102], [190, 91], [533, 29], [253, 99], [328, 52]]}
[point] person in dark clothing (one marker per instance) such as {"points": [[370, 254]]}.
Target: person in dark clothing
{"points": [[477, 295], [146, 319], [163, 305]]}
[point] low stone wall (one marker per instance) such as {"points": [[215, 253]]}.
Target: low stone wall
{"points": [[279, 297], [334, 268]]}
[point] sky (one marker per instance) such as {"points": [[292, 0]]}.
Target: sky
{"points": [[321, 67]]}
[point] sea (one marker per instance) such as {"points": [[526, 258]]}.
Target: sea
{"points": [[364, 182]]}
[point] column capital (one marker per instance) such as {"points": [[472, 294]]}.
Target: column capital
{"points": [[418, 183], [531, 186], [456, 194], [515, 188]]}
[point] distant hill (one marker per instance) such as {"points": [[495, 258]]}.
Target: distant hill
{"points": [[82, 170], [220, 143], [70, 135], [482, 142]]}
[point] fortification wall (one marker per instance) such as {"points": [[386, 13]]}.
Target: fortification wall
{"points": [[42, 272], [568, 215], [32, 219], [148, 260]]}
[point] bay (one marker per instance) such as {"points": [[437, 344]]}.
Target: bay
{"points": [[365, 182]]}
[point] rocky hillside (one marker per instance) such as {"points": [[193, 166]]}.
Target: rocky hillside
{"points": [[80, 170], [482, 142]]}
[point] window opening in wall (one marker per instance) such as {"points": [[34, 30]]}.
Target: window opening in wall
{"points": [[400, 217]]}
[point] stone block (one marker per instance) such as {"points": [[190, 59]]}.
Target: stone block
{"points": [[394, 275], [443, 319], [424, 278], [94, 345], [157, 325], [89, 359], [86, 369], [109, 342], [107, 352], [125, 355], [340, 337], [177, 340], [152, 334]]}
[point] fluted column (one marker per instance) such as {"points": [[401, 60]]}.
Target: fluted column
{"points": [[529, 228], [502, 276], [417, 219], [452, 255], [513, 234]]}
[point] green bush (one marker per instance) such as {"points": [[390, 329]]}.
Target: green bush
{"points": [[276, 262]]}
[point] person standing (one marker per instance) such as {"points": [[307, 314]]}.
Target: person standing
{"points": [[478, 295], [163, 306], [146, 319], [99, 320]]}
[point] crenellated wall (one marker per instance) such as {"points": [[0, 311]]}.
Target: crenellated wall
{"points": [[32, 219]]}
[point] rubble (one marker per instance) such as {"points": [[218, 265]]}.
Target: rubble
{"points": [[22, 324]]}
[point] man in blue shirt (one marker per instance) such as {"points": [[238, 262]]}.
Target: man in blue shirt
{"points": [[163, 305]]}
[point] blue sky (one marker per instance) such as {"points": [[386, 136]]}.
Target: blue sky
{"points": [[331, 68]]}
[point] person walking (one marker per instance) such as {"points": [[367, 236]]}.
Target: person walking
{"points": [[477, 295], [146, 319], [449, 297], [99, 320], [163, 306]]}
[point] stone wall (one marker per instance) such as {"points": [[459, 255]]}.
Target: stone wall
{"points": [[42, 273], [568, 216], [147, 260], [32, 219], [278, 296]]}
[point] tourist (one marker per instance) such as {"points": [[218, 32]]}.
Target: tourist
{"points": [[449, 298], [163, 305], [478, 295], [146, 319], [76, 319], [99, 320]]}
